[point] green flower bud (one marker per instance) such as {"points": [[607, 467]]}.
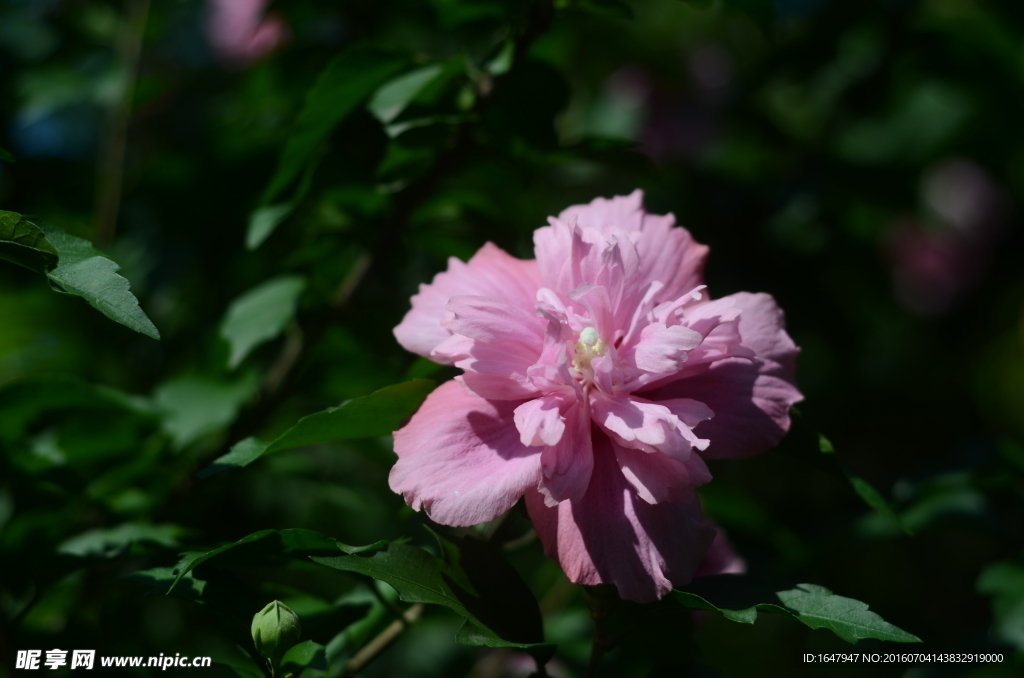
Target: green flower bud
{"points": [[275, 629]]}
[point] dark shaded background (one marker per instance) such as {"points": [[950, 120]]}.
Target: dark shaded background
{"points": [[861, 161]]}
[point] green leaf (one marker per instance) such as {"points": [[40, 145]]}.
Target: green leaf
{"points": [[114, 541], [1004, 582], [872, 498], [23, 243], [346, 83], [472, 579], [5, 155], [241, 454], [304, 655], [390, 100], [501, 63], [863, 488], [825, 445], [377, 414], [26, 401], [356, 634], [738, 599], [263, 221], [260, 547], [160, 579], [194, 406], [735, 596], [819, 608], [84, 272], [260, 315], [921, 119]]}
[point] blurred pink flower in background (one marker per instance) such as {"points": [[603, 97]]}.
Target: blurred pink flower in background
{"points": [[597, 378], [239, 32], [936, 260]]}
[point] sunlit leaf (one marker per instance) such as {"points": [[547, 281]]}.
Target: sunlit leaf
{"points": [[849, 619], [389, 101], [83, 271], [263, 221], [23, 243], [377, 414], [260, 315]]}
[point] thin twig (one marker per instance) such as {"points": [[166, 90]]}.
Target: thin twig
{"points": [[110, 177], [598, 598], [371, 650]]}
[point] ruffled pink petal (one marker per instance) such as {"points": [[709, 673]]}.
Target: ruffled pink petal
{"points": [[493, 320], [703, 317], [610, 536], [568, 465], [643, 425], [721, 342], [491, 272], [594, 298], [751, 400], [495, 340], [670, 255], [691, 412], [657, 477], [496, 386], [499, 372], [540, 421], [553, 247], [460, 459], [607, 215], [763, 330], [593, 244], [663, 350]]}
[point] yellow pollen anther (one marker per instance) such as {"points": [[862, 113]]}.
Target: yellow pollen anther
{"points": [[589, 346]]}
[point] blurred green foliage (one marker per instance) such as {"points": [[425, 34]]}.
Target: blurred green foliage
{"points": [[858, 160]]}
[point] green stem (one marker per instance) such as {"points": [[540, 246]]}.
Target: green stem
{"points": [[110, 177]]}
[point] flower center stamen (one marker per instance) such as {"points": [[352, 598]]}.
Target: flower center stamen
{"points": [[589, 346]]}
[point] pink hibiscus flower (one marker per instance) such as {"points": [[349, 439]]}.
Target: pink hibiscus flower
{"points": [[597, 379]]}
